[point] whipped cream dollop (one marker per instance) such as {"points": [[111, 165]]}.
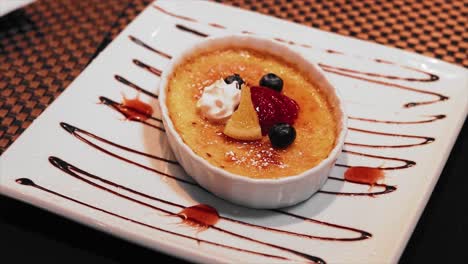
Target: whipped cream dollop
{"points": [[219, 100]]}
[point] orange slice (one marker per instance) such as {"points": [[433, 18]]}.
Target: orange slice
{"points": [[244, 124]]}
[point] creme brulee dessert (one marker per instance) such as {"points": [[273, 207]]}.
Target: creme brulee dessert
{"points": [[250, 113]]}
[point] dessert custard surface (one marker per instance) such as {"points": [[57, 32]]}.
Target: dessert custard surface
{"points": [[315, 125]]}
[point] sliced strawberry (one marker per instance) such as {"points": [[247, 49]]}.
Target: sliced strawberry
{"points": [[273, 107]]}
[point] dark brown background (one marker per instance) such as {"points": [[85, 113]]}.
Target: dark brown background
{"points": [[44, 46]]}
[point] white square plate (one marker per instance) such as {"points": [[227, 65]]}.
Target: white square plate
{"points": [[405, 112]]}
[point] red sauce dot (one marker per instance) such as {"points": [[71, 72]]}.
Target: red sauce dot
{"points": [[365, 175], [201, 216], [135, 109]]}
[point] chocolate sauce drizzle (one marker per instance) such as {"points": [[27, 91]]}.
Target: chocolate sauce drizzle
{"points": [[217, 25], [334, 52], [430, 77], [76, 132], [141, 43], [80, 133], [425, 140], [387, 189], [406, 163], [439, 96], [193, 31], [148, 47], [79, 174], [340, 70], [145, 66], [128, 112], [289, 42], [174, 15], [30, 183], [431, 119], [134, 86], [364, 175]]}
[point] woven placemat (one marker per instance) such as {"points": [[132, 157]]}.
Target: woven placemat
{"points": [[44, 46]]}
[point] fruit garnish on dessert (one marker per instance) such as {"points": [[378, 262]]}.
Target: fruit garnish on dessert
{"points": [[272, 81], [282, 135], [244, 124], [273, 107], [262, 109]]}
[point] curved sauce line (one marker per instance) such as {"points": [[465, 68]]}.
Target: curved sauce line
{"points": [[192, 31], [76, 133], [430, 76], [364, 233], [217, 25], [148, 47], [147, 67], [406, 163], [74, 130], [440, 97], [425, 140], [72, 171], [134, 86], [28, 182], [141, 43], [164, 11], [431, 118], [336, 70], [387, 189]]}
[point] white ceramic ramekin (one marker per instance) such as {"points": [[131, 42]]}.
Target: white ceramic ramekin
{"points": [[242, 190]]}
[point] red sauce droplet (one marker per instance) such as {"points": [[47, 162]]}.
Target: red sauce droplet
{"points": [[365, 175], [200, 216], [135, 109]]}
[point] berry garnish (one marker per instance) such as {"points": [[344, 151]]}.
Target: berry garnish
{"points": [[235, 77], [273, 107], [282, 135], [272, 81]]}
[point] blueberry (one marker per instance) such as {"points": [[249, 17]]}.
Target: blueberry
{"points": [[235, 77], [272, 81], [282, 135]]}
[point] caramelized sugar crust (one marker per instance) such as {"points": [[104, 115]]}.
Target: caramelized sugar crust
{"points": [[315, 126]]}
